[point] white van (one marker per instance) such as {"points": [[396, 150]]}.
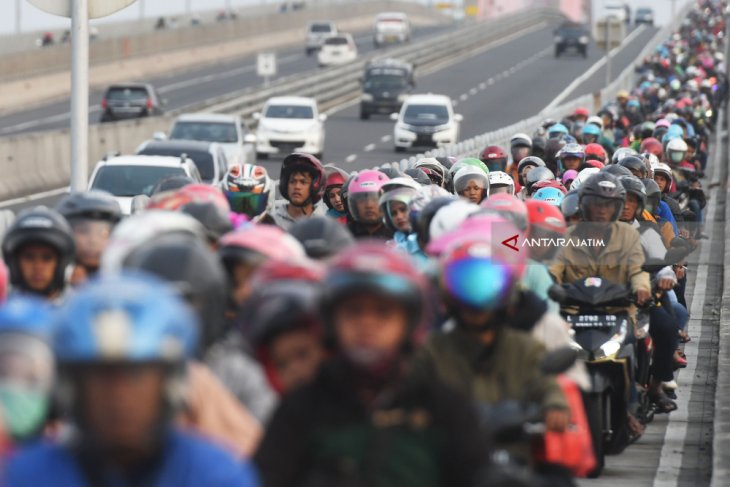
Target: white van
{"points": [[391, 28]]}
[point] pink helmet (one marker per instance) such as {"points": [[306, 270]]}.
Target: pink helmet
{"points": [[363, 195], [509, 206], [192, 193], [3, 281], [569, 175], [269, 241], [663, 123]]}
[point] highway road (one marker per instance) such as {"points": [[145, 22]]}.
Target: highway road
{"points": [[189, 87]]}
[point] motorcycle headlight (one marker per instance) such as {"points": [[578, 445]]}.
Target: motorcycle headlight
{"points": [[610, 348], [366, 97]]}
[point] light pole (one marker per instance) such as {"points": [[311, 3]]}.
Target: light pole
{"points": [[18, 16], [80, 95]]}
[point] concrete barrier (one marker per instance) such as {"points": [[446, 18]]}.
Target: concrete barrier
{"points": [[58, 58]]}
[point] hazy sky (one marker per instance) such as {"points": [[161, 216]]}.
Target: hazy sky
{"points": [[33, 19]]}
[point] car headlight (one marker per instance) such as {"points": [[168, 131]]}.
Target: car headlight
{"points": [[404, 127], [558, 39], [366, 97], [443, 128], [403, 97], [583, 40]]}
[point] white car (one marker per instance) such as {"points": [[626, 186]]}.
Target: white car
{"points": [[290, 124], [391, 28], [336, 50], [616, 11], [426, 121], [227, 130], [128, 176], [317, 32]]}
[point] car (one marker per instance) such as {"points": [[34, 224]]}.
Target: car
{"points": [[317, 32], [616, 11], [209, 157], [336, 50], [571, 36], [290, 124], [227, 130], [130, 100], [391, 28], [385, 86], [644, 15], [426, 121], [128, 176]]}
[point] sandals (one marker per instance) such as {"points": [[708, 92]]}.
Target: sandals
{"points": [[684, 337], [663, 404]]}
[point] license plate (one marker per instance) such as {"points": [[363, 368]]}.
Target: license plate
{"points": [[592, 321]]}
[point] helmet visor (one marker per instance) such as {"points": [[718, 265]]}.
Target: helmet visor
{"points": [[475, 282], [364, 208], [250, 204]]}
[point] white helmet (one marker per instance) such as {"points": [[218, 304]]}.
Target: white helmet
{"points": [[596, 120], [468, 173], [676, 150], [498, 179], [664, 170], [402, 182], [144, 227], [449, 217], [582, 177], [520, 139]]}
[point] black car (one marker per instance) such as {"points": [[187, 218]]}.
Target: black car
{"points": [[385, 86], [571, 37], [644, 15], [130, 100]]}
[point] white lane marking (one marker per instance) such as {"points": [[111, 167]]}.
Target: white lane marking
{"points": [[464, 97], [473, 91], [43, 121], [369, 148], [592, 70], [35, 197], [490, 81], [505, 73], [386, 138], [482, 86], [351, 158]]}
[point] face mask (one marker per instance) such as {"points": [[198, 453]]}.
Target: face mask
{"points": [[23, 411], [676, 157]]}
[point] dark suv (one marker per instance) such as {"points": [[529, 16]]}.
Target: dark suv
{"points": [[571, 36], [130, 100], [385, 86]]}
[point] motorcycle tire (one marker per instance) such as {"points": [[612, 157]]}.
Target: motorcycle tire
{"points": [[594, 414]]}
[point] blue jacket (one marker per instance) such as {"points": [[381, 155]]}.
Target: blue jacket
{"points": [[188, 461], [409, 244], [665, 213]]}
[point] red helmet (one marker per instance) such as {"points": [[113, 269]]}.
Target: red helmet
{"points": [[653, 146], [596, 152], [509, 206], [335, 178], [192, 193], [596, 164], [374, 267], [551, 183], [303, 162], [545, 219], [494, 157], [582, 112]]}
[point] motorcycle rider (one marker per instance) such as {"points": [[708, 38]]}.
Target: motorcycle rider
{"points": [[322, 237], [471, 184], [363, 197], [363, 420], [494, 157], [336, 177], [38, 248], [301, 185], [250, 191], [122, 343]]}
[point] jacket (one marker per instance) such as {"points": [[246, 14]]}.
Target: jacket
{"points": [[284, 220], [360, 231], [420, 434], [618, 261]]}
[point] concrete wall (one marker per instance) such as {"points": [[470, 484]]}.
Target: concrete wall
{"points": [[57, 58]]}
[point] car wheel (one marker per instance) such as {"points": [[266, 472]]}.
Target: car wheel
{"points": [[557, 52], [399, 148], [364, 115], [584, 53], [262, 156]]}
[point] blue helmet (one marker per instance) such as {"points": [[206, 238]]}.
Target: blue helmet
{"points": [[591, 129], [549, 195], [556, 130], [125, 318], [674, 131], [26, 315]]}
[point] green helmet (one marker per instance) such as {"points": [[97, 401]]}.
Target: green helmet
{"points": [[473, 161]]}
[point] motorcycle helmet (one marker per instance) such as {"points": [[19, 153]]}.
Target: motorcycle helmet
{"points": [[423, 218], [307, 163], [501, 182], [602, 188], [582, 176], [335, 179], [418, 176], [399, 200], [556, 131], [509, 207], [571, 151], [569, 207], [653, 195], [366, 185], [596, 152], [433, 169], [635, 164], [391, 172], [553, 196], [530, 161], [676, 151], [597, 121], [535, 176], [321, 237], [449, 217], [249, 191], [401, 182], [471, 177], [634, 186], [90, 205], [538, 146], [620, 153], [546, 219], [663, 170], [617, 170], [494, 157]]}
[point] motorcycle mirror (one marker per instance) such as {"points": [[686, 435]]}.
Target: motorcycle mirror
{"points": [[556, 292], [558, 361]]}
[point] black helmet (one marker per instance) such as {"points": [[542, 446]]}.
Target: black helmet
{"points": [[536, 175], [447, 162], [171, 183], [190, 266], [391, 172], [91, 205], [635, 164], [345, 189], [211, 216], [633, 185], [423, 223], [418, 176], [653, 195], [601, 187], [538, 146], [528, 161], [569, 206], [39, 225], [616, 170], [321, 237]]}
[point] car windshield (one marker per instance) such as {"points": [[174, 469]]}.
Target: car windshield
{"points": [[386, 82], [131, 181], [335, 41], [571, 31], [426, 113], [224, 133], [289, 111], [126, 94], [320, 28], [643, 11], [203, 159]]}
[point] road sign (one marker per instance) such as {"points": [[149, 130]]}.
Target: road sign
{"points": [[266, 64], [97, 8]]}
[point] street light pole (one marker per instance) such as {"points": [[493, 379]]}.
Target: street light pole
{"points": [[18, 16], [79, 95], [608, 51]]}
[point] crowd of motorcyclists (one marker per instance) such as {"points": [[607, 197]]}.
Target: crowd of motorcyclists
{"points": [[451, 324]]}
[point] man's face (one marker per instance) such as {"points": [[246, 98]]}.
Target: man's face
{"points": [[335, 196], [691, 153], [296, 356], [369, 322], [38, 264], [368, 209], [122, 404], [299, 187], [661, 181], [601, 210], [571, 163], [241, 277], [399, 216], [519, 153], [630, 207], [474, 319], [473, 191], [525, 170], [91, 238]]}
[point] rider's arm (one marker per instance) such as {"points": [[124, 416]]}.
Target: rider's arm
{"points": [[638, 279]]}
